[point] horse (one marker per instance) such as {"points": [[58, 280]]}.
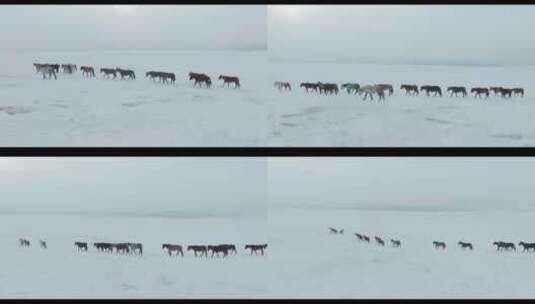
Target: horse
{"points": [[122, 248], [479, 91], [199, 248], [456, 90], [48, 70], [126, 73], [24, 242], [369, 90], [216, 249], [81, 246], [230, 79], [170, 248], [518, 91], [68, 68], [409, 88], [230, 247], [308, 85], [350, 87], [500, 245], [334, 231], [165, 77], [331, 88], [282, 86], [439, 245], [395, 243], [379, 241], [366, 238], [42, 244], [431, 89], [256, 248], [386, 87], [527, 246], [359, 236], [88, 71], [200, 79], [107, 72], [496, 90], [506, 93], [465, 245], [136, 248]]}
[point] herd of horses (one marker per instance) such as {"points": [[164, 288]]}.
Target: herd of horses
{"points": [[440, 245], [49, 70], [410, 89], [221, 250]]}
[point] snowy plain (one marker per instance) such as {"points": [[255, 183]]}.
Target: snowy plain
{"points": [[61, 272], [324, 265], [300, 119], [75, 111]]}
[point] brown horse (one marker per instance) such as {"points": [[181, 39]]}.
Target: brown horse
{"points": [[230, 79]]}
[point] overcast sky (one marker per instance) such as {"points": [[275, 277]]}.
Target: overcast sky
{"points": [[403, 183], [89, 27], [445, 34], [158, 186]]}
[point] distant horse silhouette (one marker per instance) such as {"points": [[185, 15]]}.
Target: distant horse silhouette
{"points": [[310, 86], [465, 245], [431, 89], [457, 90], [230, 79], [379, 241], [506, 93], [48, 70], [230, 247], [217, 249], [359, 236], [439, 245], [87, 71], [395, 243], [500, 245], [527, 246], [122, 248], [331, 88], [518, 91], [282, 86], [386, 87], [42, 244], [136, 248], [81, 246], [334, 231], [68, 68], [173, 248], [200, 79], [24, 242], [495, 90], [409, 89], [369, 90], [351, 87], [479, 91], [199, 248], [126, 73], [107, 72], [256, 248]]}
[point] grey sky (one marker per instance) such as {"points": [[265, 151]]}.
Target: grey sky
{"points": [[158, 186], [403, 183], [407, 34], [83, 27]]}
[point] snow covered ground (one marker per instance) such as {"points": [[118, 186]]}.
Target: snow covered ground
{"points": [[62, 272], [300, 119], [74, 111], [309, 262]]}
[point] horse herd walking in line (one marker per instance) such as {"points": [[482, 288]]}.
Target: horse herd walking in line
{"points": [[410, 89], [440, 245], [50, 70], [221, 250]]}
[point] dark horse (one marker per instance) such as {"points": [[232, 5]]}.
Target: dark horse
{"points": [[439, 245], [199, 248], [465, 245], [310, 86], [395, 243], [282, 86], [81, 246], [479, 91], [256, 248], [334, 231], [126, 73], [87, 71], [379, 241], [518, 91], [506, 93], [170, 248], [409, 89], [107, 72], [42, 243], [457, 90], [24, 243], [527, 246], [431, 89], [331, 88], [122, 248], [230, 79], [495, 90], [504, 245], [217, 249], [200, 79], [230, 247]]}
